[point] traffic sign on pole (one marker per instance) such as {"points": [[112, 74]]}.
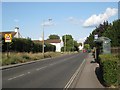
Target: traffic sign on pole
{"points": [[8, 37]]}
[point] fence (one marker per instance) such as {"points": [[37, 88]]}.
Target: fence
{"points": [[115, 50]]}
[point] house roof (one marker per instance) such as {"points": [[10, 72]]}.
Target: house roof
{"points": [[48, 41], [8, 32], [53, 41]]}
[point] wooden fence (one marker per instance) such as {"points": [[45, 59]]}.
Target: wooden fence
{"points": [[115, 50]]}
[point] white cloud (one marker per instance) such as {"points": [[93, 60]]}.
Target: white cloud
{"points": [[48, 23], [95, 20], [74, 20], [16, 20], [81, 40]]}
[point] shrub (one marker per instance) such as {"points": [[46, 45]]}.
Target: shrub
{"points": [[110, 71]]}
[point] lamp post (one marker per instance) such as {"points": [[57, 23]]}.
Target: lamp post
{"points": [[65, 43], [44, 24], [43, 42]]}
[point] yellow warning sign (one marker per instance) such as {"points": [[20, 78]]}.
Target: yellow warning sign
{"points": [[8, 37]]}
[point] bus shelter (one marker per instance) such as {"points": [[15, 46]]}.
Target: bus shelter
{"points": [[106, 45]]}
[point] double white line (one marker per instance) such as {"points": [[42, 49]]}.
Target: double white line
{"points": [[73, 77]]}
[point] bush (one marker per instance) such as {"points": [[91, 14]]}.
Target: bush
{"points": [[110, 71], [25, 45]]}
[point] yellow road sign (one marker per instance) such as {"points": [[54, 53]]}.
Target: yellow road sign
{"points": [[8, 37]]}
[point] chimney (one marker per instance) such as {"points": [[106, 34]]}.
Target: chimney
{"points": [[17, 32], [16, 29]]}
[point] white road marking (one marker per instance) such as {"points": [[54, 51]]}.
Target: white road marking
{"points": [[16, 77], [41, 68], [51, 64], [73, 77], [28, 72]]}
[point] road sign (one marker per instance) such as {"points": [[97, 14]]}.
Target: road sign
{"points": [[96, 36], [8, 37]]}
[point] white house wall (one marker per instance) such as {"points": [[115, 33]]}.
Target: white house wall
{"points": [[58, 46]]}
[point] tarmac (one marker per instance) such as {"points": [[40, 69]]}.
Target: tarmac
{"points": [[88, 77]]}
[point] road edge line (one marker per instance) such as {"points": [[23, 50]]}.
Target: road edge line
{"points": [[74, 76]]}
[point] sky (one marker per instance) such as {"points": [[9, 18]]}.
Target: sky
{"points": [[78, 19]]}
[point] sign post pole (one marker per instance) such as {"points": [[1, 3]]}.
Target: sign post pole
{"points": [[7, 50], [8, 38]]}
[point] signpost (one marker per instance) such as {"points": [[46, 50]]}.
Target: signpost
{"points": [[8, 38]]}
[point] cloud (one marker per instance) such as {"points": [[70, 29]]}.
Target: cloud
{"points": [[16, 20], [81, 40], [48, 23], [74, 20], [95, 20]]}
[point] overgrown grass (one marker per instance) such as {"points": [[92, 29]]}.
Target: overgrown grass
{"points": [[15, 58]]}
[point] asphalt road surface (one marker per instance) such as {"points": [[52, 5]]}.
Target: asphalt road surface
{"points": [[51, 73]]}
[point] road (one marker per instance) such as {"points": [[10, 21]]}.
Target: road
{"points": [[51, 73]]}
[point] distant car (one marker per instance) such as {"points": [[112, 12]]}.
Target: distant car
{"points": [[84, 50]]}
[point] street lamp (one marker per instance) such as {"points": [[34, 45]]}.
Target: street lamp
{"points": [[44, 24], [65, 43]]}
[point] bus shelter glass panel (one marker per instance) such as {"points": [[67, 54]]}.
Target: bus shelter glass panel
{"points": [[106, 47]]}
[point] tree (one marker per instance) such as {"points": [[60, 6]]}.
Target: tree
{"points": [[112, 31], [54, 37], [87, 46], [99, 30], [69, 43]]}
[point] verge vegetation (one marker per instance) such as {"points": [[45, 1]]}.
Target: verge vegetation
{"points": [[15, 58]]}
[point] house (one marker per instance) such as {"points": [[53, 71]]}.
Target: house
{"points": [[81, 46], [56, 42], [14, 33]]}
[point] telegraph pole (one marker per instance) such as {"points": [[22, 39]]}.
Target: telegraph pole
{"points": [[43, 42], [65, 44]]}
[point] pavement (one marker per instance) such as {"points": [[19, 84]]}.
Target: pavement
{"points": [[88, 78]]}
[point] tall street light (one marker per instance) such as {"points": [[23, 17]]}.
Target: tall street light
{"points": [[43, 41], [45, 24], [65, 43]]}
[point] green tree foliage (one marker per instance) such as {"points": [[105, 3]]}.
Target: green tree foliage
{"points": [[111, 31], [80, 44], [54, 37], [49, 47], [87, 46], [71, 45]]}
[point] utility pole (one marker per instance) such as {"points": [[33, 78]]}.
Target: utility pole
{"points": [[43, 42], [65, 44]]}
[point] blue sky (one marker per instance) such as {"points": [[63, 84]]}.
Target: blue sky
{"points": [[75, 18]]}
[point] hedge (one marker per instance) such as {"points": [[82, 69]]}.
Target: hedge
{"points": [[110, 69], [25, 45]]}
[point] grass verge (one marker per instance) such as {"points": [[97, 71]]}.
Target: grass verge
{"points": [[15, 58]]}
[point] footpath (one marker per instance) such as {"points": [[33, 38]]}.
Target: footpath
{"points": [[88, 78]]}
